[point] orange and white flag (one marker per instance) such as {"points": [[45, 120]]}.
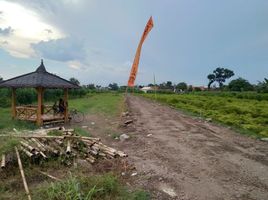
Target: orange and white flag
{"points": [[136, 61]]}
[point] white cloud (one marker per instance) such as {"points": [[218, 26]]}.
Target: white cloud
{"points": [[27, 27]]}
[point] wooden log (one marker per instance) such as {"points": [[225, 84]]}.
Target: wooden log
{"points": [[102, 154], [93, 152], [51, 137], [50, 176], [121, 154], [43, 155], [68, 150], [26, 145], [3, 161], [29, 154], [59, 142], [90, 159], [22, 175], [38, 144]]}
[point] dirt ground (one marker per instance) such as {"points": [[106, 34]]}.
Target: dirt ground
{"points": [[182, 157]]}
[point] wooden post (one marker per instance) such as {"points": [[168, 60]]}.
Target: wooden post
{"points": [[23, 175], [13, 103], [42, 103], [66, 105], [39, 121]]}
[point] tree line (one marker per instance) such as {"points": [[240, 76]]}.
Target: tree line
{"points": [[217, 77]]}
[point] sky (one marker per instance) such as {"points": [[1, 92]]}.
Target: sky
{"points": [[95, 40]]}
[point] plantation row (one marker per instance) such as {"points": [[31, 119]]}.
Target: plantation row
{"points": [[250, 116]]}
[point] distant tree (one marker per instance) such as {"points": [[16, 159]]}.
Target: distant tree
{"points": [[113, 86], [169, 85], [74, 80], [240, 84], [190, 88], [1, 79], [181, 86], [91, 86], [211, 78], [220, 75], [263, 86]]}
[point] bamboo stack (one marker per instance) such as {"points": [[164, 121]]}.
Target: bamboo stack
{"points": [[38, 147]]}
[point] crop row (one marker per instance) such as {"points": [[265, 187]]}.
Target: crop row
{"points": [[245, 114]]}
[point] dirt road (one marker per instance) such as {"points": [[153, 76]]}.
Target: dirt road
{"points": [[179, 157]]}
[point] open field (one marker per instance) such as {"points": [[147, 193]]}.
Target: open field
{"points": [[82, 181], [249, 116], [193, 158]]}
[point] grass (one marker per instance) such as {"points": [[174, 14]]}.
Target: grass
{"points": [[100, 187], [7, 124], [7, 144], [81, 132], [249, 116], [105, 103]]}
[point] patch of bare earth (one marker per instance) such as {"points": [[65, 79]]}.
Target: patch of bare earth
{"points": [[179, 157]]}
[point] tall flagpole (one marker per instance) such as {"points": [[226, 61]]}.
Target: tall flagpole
{"points": [[154, 88]]}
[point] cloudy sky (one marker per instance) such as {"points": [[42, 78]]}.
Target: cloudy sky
{"points": [[95, 40]]}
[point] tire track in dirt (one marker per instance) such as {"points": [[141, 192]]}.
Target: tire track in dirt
{"points": [[186, 158]]}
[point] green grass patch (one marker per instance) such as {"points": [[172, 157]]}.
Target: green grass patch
{"points": [[7, 124], [7, 144], [99, 187], [105, 103], [81, 132], [249, 116], [54, 133]]}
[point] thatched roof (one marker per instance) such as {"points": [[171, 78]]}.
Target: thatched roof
{"points": [[38, 78]]}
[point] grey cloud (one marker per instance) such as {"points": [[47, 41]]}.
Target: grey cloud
{"points": [[6, 31], [66, 49]]}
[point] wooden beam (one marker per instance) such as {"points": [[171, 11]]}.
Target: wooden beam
{"points": [[39, 121], [42, 103], [13, 103], [66, 105]]}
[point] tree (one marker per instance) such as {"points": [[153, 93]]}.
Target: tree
{"points": [[263, 86], [211, 78], [74, 81], [113, 86], [181, 86], [169, 85], [91, 86], [240, 84], [220, 75], [1, 79]]}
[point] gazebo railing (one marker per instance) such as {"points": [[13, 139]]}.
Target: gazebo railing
{"points": [[26, 112], [29, 112]]}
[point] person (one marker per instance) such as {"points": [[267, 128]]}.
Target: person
{"points": [[61, 106], [55, 108]]}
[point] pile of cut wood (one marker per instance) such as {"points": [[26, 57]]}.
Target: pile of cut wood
{"points": [[68, 145]]}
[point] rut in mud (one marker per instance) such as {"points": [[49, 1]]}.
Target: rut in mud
{"points": [[180, 157]]}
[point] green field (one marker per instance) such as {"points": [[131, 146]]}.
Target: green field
{"points": [[249, 116], [108, 104]]}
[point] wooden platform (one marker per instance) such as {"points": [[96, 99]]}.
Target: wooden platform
{"points": [[29, 113]]}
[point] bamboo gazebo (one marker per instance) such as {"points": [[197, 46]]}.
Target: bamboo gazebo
{"points": [[41, 80]]}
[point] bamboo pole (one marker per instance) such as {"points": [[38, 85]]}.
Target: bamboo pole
{"points": [[22, 175], [51, 137], [50, 176], [68, 150], [3, 161]]}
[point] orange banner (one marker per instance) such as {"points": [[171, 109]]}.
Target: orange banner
{"points": [[136, 61]]}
